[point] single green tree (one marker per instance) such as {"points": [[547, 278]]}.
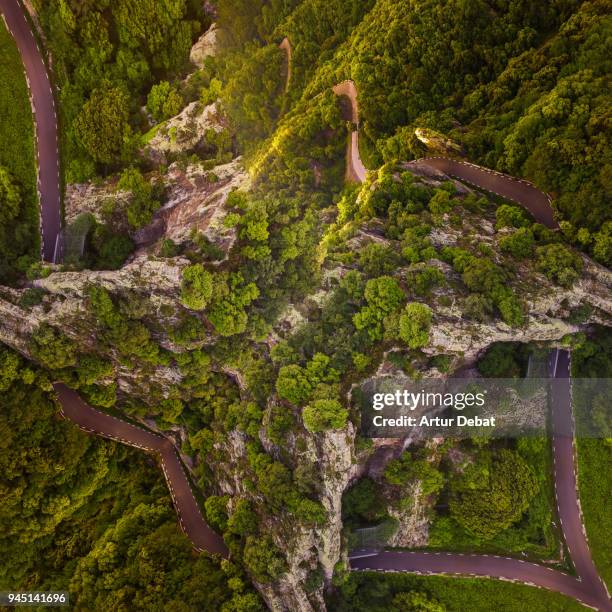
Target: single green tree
{"points": [[164, 101], [196, 287], [414, 324], [102, 125]]}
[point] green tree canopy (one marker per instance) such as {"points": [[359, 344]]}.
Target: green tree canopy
{"points": [[324, 414], [10, 198], [493, 493], [164, 101], [414, 325], [196, 287], [102, 125]]}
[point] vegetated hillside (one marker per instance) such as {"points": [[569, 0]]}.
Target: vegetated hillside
{"points": [[245, 356], [521, 85], [90, 516], [107, 56]]}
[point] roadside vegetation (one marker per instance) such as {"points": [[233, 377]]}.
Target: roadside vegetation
{"points": [[70, 498], [19, 234], [373, 592], [109, 59], [593, 359]]}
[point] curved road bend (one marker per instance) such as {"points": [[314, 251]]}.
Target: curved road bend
{"points": [[566, 485], [285, 46], [486, 566], [518, 190], [187, 508], [45, 119], [588, 588], [355, 170]]}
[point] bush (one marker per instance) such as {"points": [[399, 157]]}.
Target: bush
{"points": [[164, 101], [111, 250], [414, 324], [293, 384], [102, 125], [383, 295], [143, 202], [406, 469], [263, 559], [32, 297], [510, 216], [416, 601], [441, 202], [426, 279], [196, 287], [216, 511], [231, 296], [52, 349], [503, 360], [558, 264], [364, 501], [478, 307], [10, 197], [376, 259], [324, 414], [493, 493], [168, 248], [519, 244]]}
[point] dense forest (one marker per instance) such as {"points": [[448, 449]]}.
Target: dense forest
{"points": [[93, 517], [368, 272], [107, 57], [520, 86]]}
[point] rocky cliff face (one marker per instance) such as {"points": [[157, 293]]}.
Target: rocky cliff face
{"points": [[196, 201], [206, 46], [549, 307], [310, 550], [151, 283], [195, 126]]}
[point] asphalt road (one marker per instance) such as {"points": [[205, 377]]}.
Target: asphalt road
{"points": [[490, 566], [566, 489], [285, 46], [102, 424], [587, 587], [45, 118], [355, 170], [517, 190]]}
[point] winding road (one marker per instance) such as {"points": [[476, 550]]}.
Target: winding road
{"points": [[355, 170], [187, 508], [587, 587], [517, 190], [45, 117]]}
